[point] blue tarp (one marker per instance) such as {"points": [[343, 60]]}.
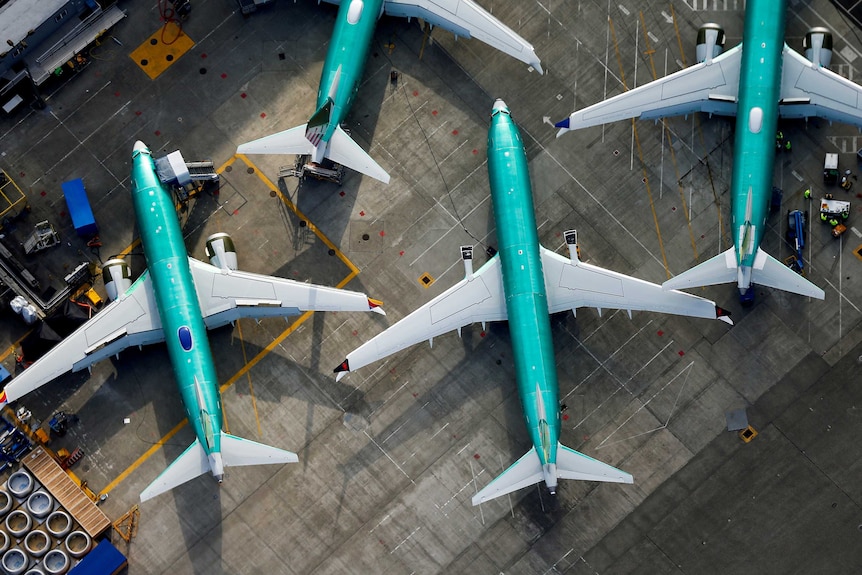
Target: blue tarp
{"points": [[105, 559], [79, 207]]}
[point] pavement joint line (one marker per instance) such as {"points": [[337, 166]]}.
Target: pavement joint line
{"points": [[604, 443], [383, 451], [458, 225], [405, 540]]}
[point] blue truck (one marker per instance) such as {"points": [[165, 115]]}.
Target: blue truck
{"points": [[796, 237]]}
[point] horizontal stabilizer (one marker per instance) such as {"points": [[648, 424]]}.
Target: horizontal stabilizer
{"points": [[573, 464], [523, 473], [343, 150], [570, 464], [718, 270], [190, 464], [237, 452], [292, 141], [768, 271]]}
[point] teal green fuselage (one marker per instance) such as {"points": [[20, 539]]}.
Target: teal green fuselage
{"points": [[177, 301], [524, 284], [348, 51], [754, 153]]}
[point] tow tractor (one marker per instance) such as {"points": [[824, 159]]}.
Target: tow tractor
{"points": [[835, 213], [326, 170], [796, 220]]}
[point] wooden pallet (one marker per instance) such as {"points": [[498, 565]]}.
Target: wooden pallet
{"points": [[58, 483]]}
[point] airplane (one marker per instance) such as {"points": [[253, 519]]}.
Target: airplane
{"points": [[524, 283], [756, 81], [176, 300], [322, 136]]}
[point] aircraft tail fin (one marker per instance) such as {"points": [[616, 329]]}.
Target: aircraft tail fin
{"points": [[720, 269], [768, 271], [529, 470], [190, 464], [237, 452], [194, 461]]}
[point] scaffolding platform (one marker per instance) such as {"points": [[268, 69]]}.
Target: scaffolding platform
{"points": [[58, 483]]}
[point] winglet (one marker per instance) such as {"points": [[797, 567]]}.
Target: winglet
{"points": [[341, 370], [723, 315], [374, 305], [3, 399]]}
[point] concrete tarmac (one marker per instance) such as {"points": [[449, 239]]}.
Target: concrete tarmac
{"points": [[391, 455]]}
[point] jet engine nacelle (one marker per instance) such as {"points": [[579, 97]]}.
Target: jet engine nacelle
{"points": [[117, 277], [710, 42], [221, 252], [818, 46]]}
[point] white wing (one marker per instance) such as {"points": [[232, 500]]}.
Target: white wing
{"points": [[477, 298], [810, 90], [706, 87], [573, 284], [226, 296], [132, 319], [467, 19]]}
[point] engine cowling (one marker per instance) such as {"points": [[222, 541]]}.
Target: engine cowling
{"points": [[221, 252], [117, 277], [710, 42], [817, 45]]}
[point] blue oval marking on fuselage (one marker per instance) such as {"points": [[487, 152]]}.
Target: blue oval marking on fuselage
{"points": [[185, 336]]}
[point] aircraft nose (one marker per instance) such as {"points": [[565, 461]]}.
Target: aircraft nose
{"points": [[139, 146], [499, 104]]}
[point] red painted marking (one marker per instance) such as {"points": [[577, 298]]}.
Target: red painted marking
{"points": [[659, 333], [355, 332], [341, 193], [362, 213], [415, 93], [702, 236], [62, 214], [586, 437], [43, 193], [158, 132], [117, 94], [415, 394], [482, 334], [223, 75], [243, 95], [22, 174], [204, 55], [673, 209], [263, 114], [138, 113], [475, 151], [433, 112], [475, 456], [454, 132], [235, 212], [681, 353], [392, 371], [382, 233], [401, 253], [565, 417]]}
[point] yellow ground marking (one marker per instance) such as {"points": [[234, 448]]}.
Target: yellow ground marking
{"points": [[161, 50], [641, 155], [669, 137], [721, 233], [250, 383], [425, 280], [264, 352], [12, 348]]}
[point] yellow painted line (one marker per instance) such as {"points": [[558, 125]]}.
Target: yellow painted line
{"points": [[14, 346], [640, 155], [678, 37], [250, 383], [147, 454], [161, 50], [669, 138], [301, 216]]}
